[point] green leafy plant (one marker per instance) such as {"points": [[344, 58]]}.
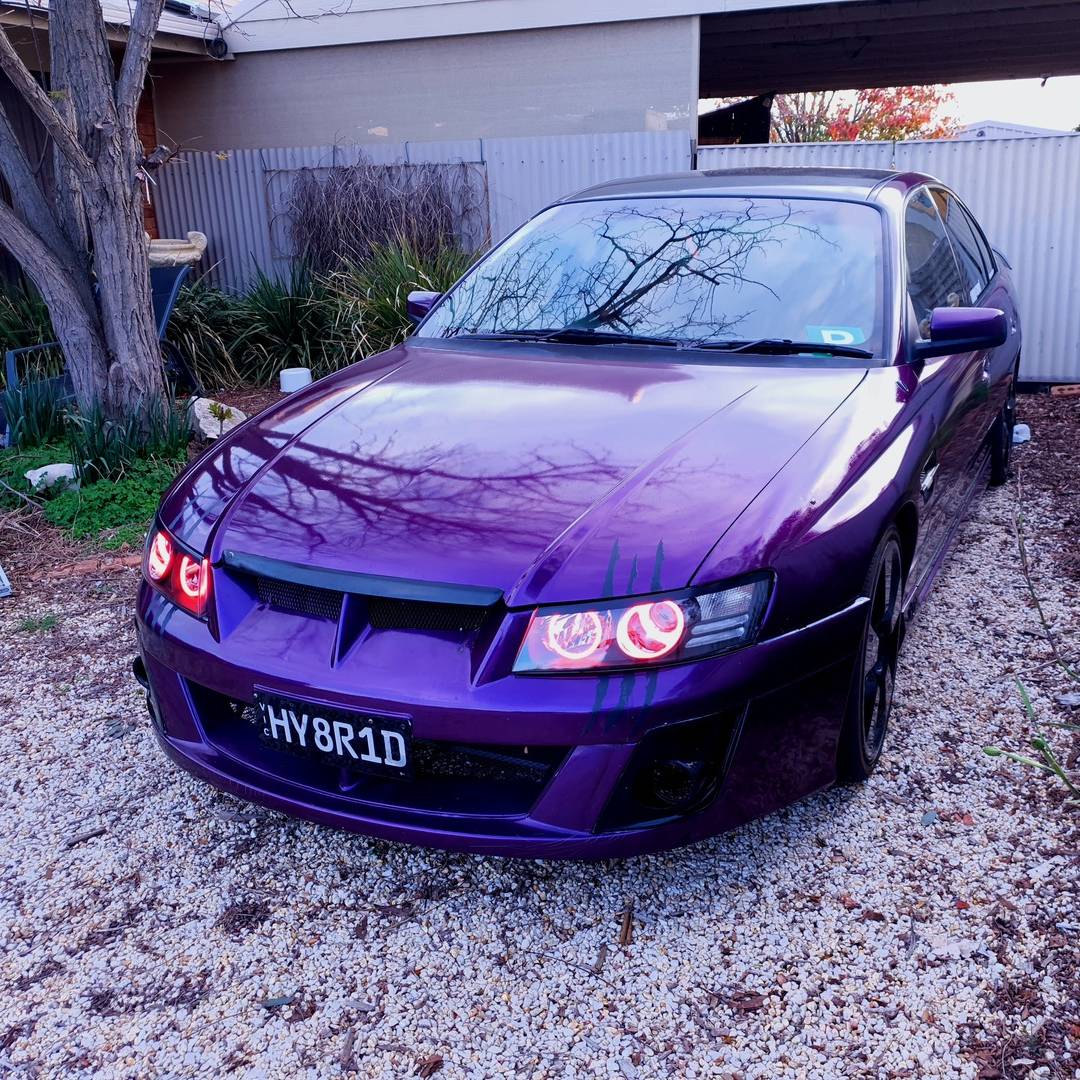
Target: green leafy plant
{"points": [[118, 512], [39, 624], [282, 323], [1047, 762], [24, 318], [104, 449], [369, 297], [222, 414], [202, 329], [34, 412]]}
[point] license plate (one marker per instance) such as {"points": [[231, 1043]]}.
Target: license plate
{"points": [[375, 744]]}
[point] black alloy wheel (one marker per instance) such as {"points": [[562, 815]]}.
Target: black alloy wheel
{"points": [[874, 678]]}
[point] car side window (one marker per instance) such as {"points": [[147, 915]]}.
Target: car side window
{"points": [[987, 253], [965, 244], [933, 275]]}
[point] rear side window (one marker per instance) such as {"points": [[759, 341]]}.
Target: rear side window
{"points": [[934, 277], [966, 245]]}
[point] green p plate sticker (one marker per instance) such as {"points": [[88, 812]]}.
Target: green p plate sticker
{"points": [[836, 335]]}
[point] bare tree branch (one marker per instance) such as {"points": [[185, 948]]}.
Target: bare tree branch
{"points": [[27, 196], [129, 86], [38, 101]]}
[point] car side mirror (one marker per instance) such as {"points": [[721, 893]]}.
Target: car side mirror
{"points": [[418, 303], [956, 330]]}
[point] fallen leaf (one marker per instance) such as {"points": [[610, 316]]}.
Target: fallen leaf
{"points": [[278, 1002], [428, 1066], [848, 902], [746, 1001]]}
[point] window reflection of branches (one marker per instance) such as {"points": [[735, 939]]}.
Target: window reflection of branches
{"points": [[683, 268]]}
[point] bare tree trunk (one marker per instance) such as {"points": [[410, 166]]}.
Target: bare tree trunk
{"points": [[87, 252]]}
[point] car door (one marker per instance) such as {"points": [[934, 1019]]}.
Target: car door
{"points": [[959, 399], [971, 244]]}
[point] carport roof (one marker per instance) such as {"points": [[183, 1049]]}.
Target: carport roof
{"points": [[845, 45]]}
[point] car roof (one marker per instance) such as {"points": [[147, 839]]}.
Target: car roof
{"points": [[817, 181]]}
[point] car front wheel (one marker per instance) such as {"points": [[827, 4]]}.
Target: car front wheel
{"points": [[874, 678]]}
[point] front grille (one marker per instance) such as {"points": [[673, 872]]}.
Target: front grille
{"points": [[528, 765], [447, 777], [299, 599], [385, 613]]}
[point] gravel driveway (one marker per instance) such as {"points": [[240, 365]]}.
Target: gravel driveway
{"points": [[924, 925]]}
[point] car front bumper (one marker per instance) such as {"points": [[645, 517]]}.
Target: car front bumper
{"points": [[767, 718]]}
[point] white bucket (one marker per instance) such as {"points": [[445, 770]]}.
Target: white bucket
{"points": [[294, 378]]}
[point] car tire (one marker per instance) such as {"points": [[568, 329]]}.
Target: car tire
{"points": [[866, 720], [1001, 436]]}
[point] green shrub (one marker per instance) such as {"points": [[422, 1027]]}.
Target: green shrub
{"points": [[282, 323], [369, 297], [34, 412], [24, 318], [104, 449], [118, 512], [202, 329]]}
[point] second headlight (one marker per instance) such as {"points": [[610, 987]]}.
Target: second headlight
{"points": [[644, 630]]}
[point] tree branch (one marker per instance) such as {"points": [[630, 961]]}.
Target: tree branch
{"points": [[38, 101], [27, 196], [129, 86]]}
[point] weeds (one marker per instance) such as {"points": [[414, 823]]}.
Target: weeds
{"points": [[1047, 762], [39, 625]]}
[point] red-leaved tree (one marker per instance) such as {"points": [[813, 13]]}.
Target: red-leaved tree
{"points": [[887, 113]]}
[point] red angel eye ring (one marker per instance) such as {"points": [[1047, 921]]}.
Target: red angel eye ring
{"points": [[160, 556], [192, 578], [650, 631], [575, 636]]}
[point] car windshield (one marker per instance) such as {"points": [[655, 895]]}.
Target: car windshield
{"points": [[722, 271]]}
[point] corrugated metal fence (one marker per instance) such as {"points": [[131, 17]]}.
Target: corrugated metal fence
{"points": [[1023, 191], [237, 197]]}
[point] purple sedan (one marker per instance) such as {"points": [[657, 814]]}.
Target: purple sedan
{"points": [[614, 553]]}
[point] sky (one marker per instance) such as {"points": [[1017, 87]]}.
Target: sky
{"points": [[1020, 101]]}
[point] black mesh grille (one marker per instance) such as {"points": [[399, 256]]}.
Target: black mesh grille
{"points": [[385, 613], [301, 599], [502, 764]]}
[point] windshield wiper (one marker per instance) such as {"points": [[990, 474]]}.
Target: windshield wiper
{"points": [[571, 335], [784, 347]]}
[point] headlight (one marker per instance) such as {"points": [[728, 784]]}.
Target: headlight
{"points": [[646, 630], [179, 576]]}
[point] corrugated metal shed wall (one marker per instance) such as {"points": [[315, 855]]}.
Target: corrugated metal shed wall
{"points": [[1023, 191], [526, 174], [237, 197]]}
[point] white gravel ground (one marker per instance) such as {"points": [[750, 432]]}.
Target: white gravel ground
{"points": [[920, 926]]}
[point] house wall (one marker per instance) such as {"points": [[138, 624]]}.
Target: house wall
{"points": [[628, 76]]}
